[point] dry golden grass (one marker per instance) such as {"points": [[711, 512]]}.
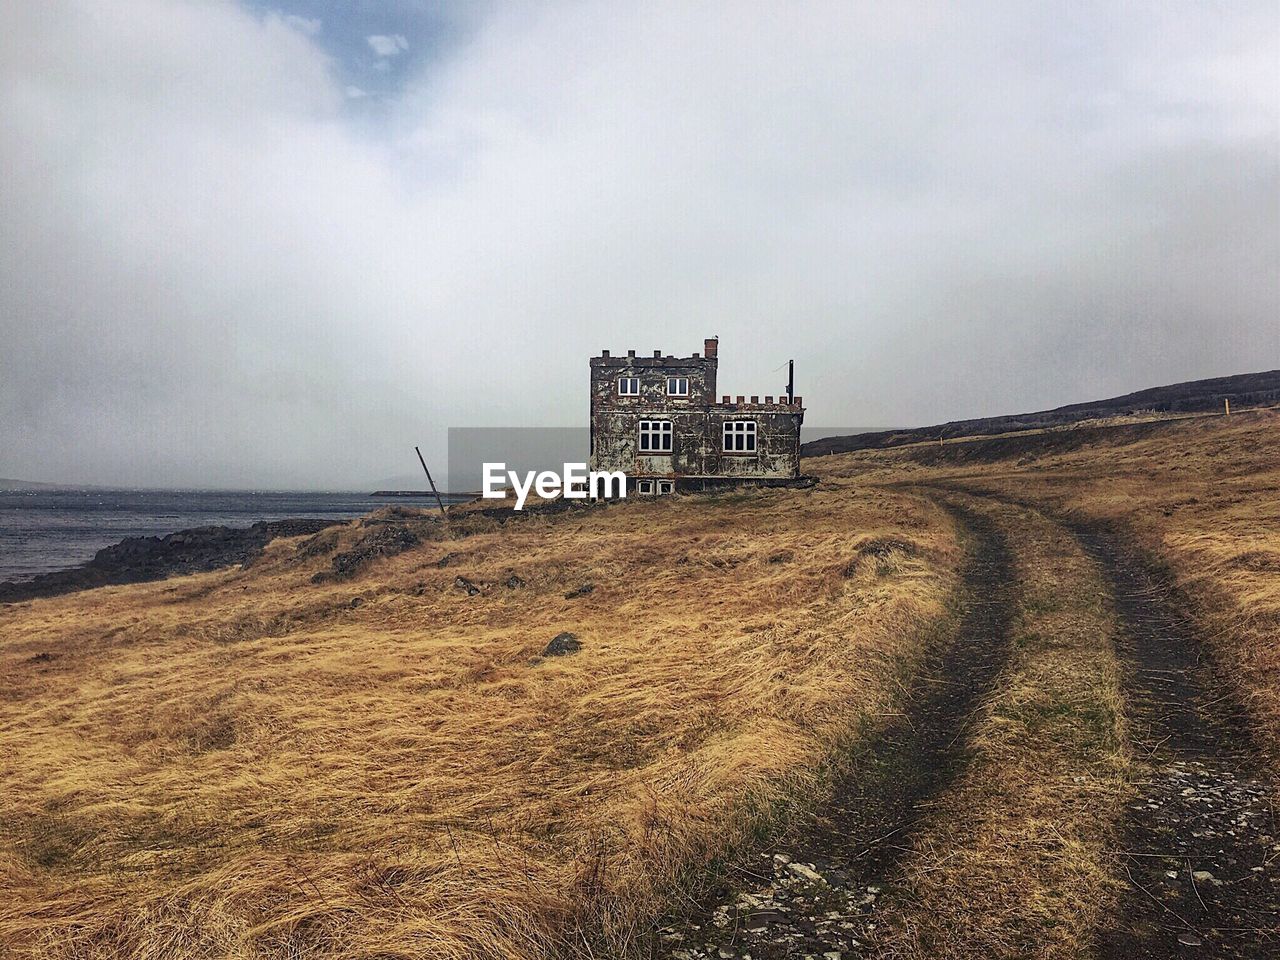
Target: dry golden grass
{"points": [[245, 765], [1013, 862], [1201, 495]]}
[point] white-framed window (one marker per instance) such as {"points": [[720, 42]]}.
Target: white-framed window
{"points": [[655, 436], [677, 386], [666, 486], [628, 386], [644, 486], [740, 436]]}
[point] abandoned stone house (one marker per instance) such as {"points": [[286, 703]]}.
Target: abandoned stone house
{"points": [[657, 420]]}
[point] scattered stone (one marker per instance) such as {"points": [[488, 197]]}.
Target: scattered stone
{"points": [[806, 872], [513, 582], [581, 591], [561, 644], [356, 601], [462, 583], [43, 657]]}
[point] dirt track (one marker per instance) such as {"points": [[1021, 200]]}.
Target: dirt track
{"points": [[1198, 847], [1195, 857], [816, 891]]}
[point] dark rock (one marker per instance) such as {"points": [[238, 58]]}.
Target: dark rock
{"points": [[581, 591], [462, 583], [561, 644], [380, 541], [356, 601], [513, 582], [43, 657], [140, 559], [321, 544]]}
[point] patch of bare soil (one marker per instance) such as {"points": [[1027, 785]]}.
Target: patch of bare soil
{"points": [[1200, 849], [814, 892]]}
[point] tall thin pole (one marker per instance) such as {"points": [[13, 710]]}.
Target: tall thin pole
{"points": [[791, 381], [439, 502]]}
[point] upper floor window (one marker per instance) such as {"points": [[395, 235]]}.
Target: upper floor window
{"points": [[655, 436], [740, 436], [628, 386], [677, 386]]}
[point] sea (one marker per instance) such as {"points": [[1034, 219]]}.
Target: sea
{"points": [[46, 530]]}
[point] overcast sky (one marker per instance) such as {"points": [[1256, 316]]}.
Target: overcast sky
{"points": [[247, 244]]}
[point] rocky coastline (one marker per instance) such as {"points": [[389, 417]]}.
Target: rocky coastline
{"points": [[141, 559]]}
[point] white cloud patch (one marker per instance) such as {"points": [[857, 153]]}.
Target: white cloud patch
{"points": [[307, 25], [212, 277], [387, 46]]}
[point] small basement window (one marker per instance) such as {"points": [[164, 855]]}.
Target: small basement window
{"points": [[740, 436], [644, 486], [666, 486], [628, 386], [677, 386], [655, 436]]}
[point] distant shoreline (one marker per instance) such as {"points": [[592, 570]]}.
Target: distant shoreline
{"points": [[426, 494], [143, 559]]}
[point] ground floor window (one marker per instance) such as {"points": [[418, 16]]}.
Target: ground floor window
{"points": [[644, 486], [740, 436], [666, 486], [655, 436]]}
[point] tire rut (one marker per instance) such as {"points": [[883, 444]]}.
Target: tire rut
{"points": [[815, 890], [1200, 847]]}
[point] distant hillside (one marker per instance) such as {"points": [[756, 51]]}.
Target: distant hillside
{"points": [[6, 484], [1244, 390]]}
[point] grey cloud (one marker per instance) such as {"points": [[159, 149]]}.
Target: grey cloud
{"points": [[211, 274]]}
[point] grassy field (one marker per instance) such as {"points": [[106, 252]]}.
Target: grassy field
{"points": [[251, 764], [1200, 496], [357, 746]]}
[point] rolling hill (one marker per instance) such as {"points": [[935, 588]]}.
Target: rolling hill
{"points": [[1244, 390]]}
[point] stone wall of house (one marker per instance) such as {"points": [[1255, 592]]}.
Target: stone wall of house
{"points": [[697, 422]]}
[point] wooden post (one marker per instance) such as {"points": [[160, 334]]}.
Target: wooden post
{"points": [[1227, 401], [439, 502]]}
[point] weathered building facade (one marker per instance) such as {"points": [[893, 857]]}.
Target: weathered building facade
{"points": [[657, 420]]}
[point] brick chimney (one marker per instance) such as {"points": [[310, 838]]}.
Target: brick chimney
{"points": [[709, 346]]}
